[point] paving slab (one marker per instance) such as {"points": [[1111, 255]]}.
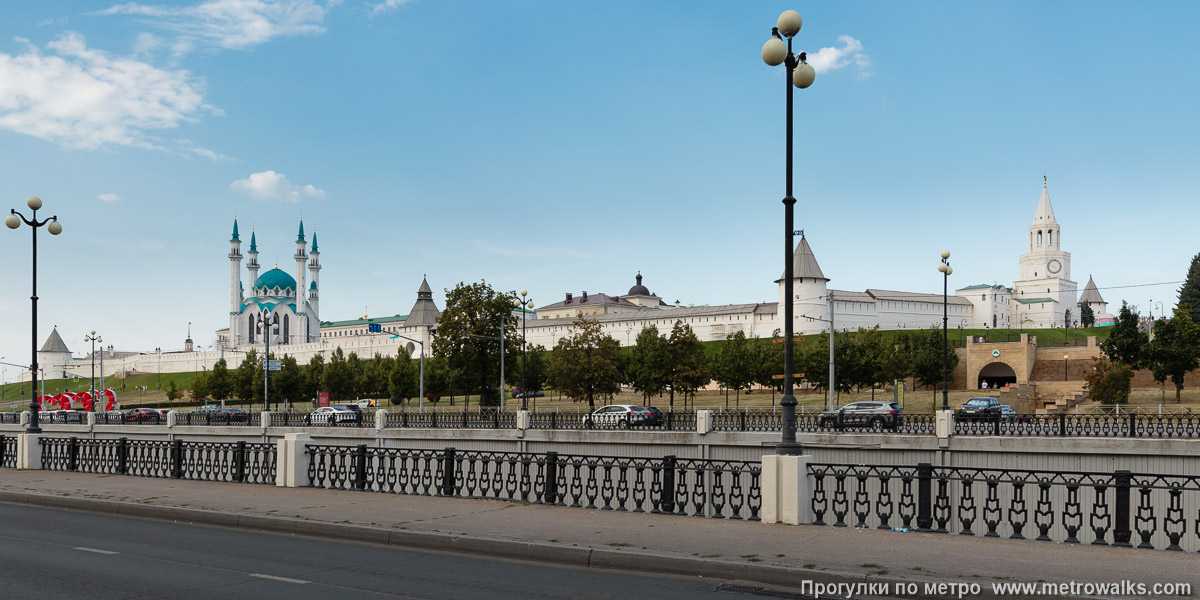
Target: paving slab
{"points": [[731, 549]]}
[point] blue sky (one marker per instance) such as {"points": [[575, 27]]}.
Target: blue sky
{"points": [[564, 146]]}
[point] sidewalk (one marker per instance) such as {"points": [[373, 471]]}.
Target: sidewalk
{"points": [[767, 554]]}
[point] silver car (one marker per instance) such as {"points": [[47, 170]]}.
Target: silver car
{"points": [[333, 415], [876, 415], [618, 415]]}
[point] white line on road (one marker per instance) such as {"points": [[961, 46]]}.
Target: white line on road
{"points": [[278, 578], [95, 550]]}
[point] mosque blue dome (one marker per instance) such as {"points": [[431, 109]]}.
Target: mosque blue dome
{"points": [[275, 278]]}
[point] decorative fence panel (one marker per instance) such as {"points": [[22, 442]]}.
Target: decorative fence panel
{"points": [[446, 419], [233, 462], [1118, 508], [696, 487], [1085, 425], [8, 451]]}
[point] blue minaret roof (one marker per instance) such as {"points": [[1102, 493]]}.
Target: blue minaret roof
{"points": [[314, 250], [253, 242], [300, 236], [235, 233]]}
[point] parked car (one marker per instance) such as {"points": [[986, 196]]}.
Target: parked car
{"points": [[1009, 416], [529, 394], [364, 404], [618, 415], [66, 416], [656, 417], [876, 415], [143, 415], [218, 414], [979, 409], [338, 413]]}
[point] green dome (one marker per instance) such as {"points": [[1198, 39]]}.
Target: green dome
{"points": [[275, 278]]}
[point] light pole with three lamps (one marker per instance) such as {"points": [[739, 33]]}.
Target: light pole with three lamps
{"points": [[93, 338], [944, 267], [13, 221], [799, 73]]}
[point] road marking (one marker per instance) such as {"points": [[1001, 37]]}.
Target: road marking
{"points": [[278, 578], [95, 550]]}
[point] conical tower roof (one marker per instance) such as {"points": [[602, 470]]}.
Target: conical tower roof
{"points": [[54, 343], [1091, 294], [1045, 212], [424, 311], [804, 263]]}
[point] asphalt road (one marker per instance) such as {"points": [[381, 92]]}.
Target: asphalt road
{"points": [[47, 554]]}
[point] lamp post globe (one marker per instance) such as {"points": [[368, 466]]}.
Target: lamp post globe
{"points": [[803, 76], [789, 23], [54, 228], [774, 52], [34, 203], [12, 221]]}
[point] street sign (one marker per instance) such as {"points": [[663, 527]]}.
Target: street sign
{"points": [[272, 365], [374, 328]]}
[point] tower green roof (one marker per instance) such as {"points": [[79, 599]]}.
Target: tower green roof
{"points": [[300, 235], [314, 249], [253, 243], [235, 233]]}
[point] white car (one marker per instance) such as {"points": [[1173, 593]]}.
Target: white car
{"points": [[332, 415], [618, 415]]}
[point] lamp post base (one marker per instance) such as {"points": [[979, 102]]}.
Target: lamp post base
{"points": [[788, 446]]}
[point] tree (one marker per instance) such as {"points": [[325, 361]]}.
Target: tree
{"points": [[288, 381], [1109, 382], [438, 378], [685, 364], [469, 332], [1126, 342], [314, 376], [928, 350], [1175, 348], [200, 386], [338, 378], [404, 378], [246, 376], [220, 382], [731, 366], [767, 362], [374, 377], [586, 363], [645, 370], [173, 392], [1087, 317], [1189, 294], [537, 369]]}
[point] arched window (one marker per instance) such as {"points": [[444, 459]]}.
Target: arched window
{"points": [[1039, 238], [993, 321], [250, 329], [1050, 238], [286, 327]]}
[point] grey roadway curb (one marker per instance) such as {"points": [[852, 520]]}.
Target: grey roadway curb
{"points": [[597, 558]]}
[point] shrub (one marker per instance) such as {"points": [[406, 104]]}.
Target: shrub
{"points": [[1109, 382]]}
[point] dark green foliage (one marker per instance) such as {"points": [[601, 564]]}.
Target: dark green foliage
{"points": [[1109, 382], [927, 349], [404, 376], [1087, 317], [469, 332], [338, 378], [731, 366], [314, 375], [685, 363], [173, 392], [644, 369], [220, 381], [586, 363], [287, 382], [1175, 348], [1126, 343], [1189, 294], [247, 380]]}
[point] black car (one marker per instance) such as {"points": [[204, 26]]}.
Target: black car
{"points": [[656, 417], [143, 415], [876, 415]]}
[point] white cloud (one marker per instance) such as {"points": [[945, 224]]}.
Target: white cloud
{"points": [[108, 197], [269, 185], [231, 24], [80, 97], [829, 59], [387, 5]]}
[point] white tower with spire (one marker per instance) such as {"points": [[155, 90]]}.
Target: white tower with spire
{"points": [[810, 302], [314, 270], [299, 335], [235, 283], [1044, 296]]}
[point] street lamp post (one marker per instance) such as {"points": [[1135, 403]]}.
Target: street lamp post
{"points": [[799, 73], [525, 303], [93, 338], [13, 221], [1065, 357], [421, 390], [944, 267], [266, 327]]}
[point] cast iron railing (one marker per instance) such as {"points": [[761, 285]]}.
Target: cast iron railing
{"points": [[683, 486], [10, 417], [1118, 508], [444, 419], [681, 420], [8, 451], [1085, 425], [239, 462]]}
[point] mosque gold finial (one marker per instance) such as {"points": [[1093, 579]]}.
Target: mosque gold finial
{"points": [[1043, 180]]}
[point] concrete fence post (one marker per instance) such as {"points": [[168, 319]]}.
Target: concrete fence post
{"points": [[91, 419], [704, 421], [381, 417], [29, 451], [524, 419], [786, 489], [943, 426], [172, 418], [26, 417], [264, 420], [291, 456]]}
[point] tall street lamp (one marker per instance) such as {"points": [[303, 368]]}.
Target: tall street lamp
{"points": [[93, 338], [266, 327], [1065, 358], [13, 221], [799, 73], [944, 267], [525, 303]]}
